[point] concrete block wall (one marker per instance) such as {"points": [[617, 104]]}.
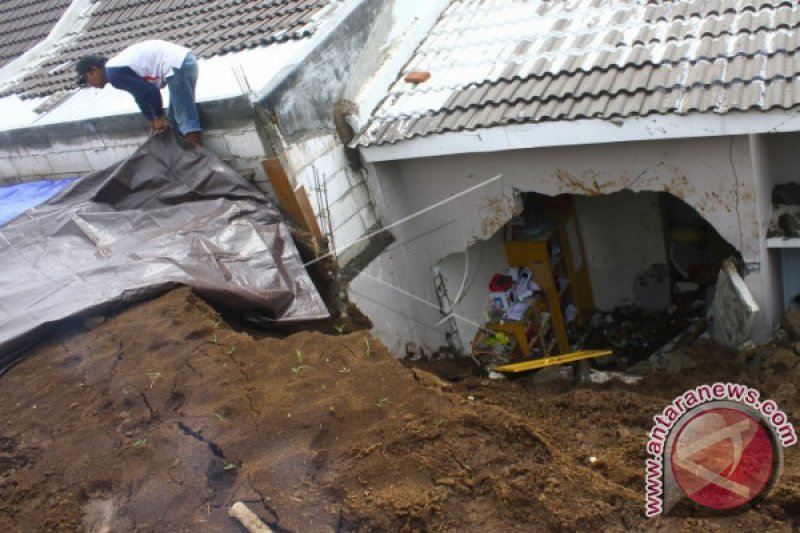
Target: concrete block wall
{"points": [[321, 160], [59, 156], [242, 149]]}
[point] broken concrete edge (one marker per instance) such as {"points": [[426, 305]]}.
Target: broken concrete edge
{"points": [[734, 309]]}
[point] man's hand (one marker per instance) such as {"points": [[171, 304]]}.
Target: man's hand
{"points": [[158, 124]]}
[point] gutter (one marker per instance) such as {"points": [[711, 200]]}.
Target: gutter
{"points": [[585, 132]]}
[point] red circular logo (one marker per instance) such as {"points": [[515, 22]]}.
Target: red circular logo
{"points": [[722, 458]]}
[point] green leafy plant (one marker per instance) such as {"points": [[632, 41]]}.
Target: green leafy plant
{"points": [[300, 366], [344, 370], [368, 353], [219, 417], [139, 442], [228, 466], [233, 349], [382, 402], [339, 328]]}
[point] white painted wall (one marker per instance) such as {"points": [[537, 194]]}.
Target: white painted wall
{"points": [[713, 175], [479, 263], [623, 236]]}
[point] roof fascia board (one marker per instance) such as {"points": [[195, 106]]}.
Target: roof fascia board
{"points": [[73, 20], [399, 50], [319, 37], [583, 132]]}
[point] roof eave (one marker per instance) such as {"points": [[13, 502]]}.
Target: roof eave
{"points": [[584, 132]]}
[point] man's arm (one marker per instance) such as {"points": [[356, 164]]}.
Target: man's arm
{"points": [[147, 96]]}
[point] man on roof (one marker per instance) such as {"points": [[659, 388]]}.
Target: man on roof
{"points": [[143, 69]]}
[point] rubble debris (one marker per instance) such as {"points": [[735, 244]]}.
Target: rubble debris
{"points": [[635, 334], [791, 321], [785, 219]]}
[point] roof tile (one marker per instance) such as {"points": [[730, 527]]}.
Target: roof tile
{"points": [[495, 62], [209, 27]]}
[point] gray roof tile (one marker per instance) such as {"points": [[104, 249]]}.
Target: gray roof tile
{"points": [[24, 23], [495, 62], [209, 27]]}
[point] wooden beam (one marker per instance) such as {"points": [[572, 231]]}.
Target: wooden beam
{"points": [[284, 192]]}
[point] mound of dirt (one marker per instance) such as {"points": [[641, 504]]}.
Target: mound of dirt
{"points": [[163, 416]]}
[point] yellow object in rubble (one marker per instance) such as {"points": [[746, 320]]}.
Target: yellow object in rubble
{"points": [[533, 364]]}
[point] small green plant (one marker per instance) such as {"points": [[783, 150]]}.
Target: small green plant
{"points": [[219, 417], [233, 349], [382, 402], [344, 370], [154, 376], [368, 353], [228, 466], [216, 323], [139, 442], [300, 366], [339, 328], [439, 423]]}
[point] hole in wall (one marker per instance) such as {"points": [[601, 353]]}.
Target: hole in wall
{"points": [[626, 272]]}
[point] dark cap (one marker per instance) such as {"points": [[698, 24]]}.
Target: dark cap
{"points": [[87, 63]]}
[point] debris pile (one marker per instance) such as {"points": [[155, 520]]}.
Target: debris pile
{"points": [[785, 221], [635, 333]]}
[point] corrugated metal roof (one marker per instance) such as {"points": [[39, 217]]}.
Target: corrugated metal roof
{"points": [[23, 23], [496, 62], [209, 27]]}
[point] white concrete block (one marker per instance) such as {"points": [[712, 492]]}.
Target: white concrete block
{"points": [[337, 187], [217, 144], [342, 210], [7, 170], [105, 157], [300, 155], [69, 162], [349, 232], [355, 178], [361, 195], [32, 166], [245, 144], [368, 218]]}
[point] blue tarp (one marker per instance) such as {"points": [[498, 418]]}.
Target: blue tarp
{"points": [[18, 198]]}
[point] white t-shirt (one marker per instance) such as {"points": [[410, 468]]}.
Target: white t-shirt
{"points": [[152, 60]]}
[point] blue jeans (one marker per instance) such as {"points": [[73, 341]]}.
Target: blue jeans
{"points": [[182, 111]]}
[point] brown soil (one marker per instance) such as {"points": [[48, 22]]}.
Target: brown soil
{"points": [[163, 416]]}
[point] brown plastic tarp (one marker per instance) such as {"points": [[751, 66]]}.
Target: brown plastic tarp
{"points": [[170, 214]]}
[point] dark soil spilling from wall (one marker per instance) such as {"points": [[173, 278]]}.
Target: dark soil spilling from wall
{"points": [[160, 418]]}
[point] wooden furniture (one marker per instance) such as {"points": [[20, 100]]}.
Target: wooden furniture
{"points": [[553, 252], [528, 333]]}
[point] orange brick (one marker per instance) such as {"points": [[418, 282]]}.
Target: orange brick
{"points": [[417, 76]]}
